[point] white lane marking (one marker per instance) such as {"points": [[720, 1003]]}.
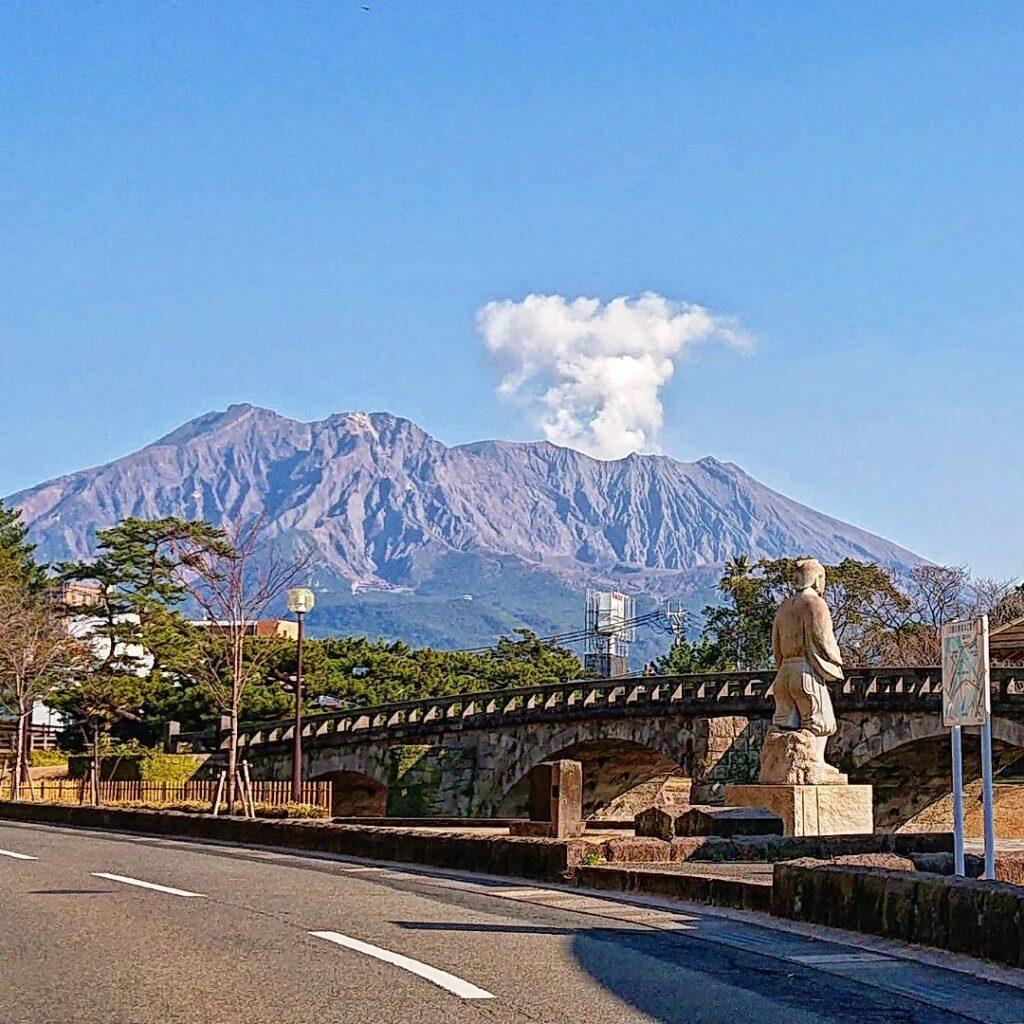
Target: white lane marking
{"points": [[840, 959], [147, 885], [16, 856], [463, 989]]}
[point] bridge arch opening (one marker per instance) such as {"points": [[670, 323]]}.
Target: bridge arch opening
{"points": [[911, 775], [356, 795], [613, 771]]}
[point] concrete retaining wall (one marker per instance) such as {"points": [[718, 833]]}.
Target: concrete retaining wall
{"points": [[718, 892], [551, 860]]}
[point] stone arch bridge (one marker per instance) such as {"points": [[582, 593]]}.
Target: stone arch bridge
{"points": [[469, 754]]}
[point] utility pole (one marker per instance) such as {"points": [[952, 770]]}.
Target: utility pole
{"points": [[300, 601]]}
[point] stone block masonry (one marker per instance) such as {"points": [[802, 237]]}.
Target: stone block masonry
{"points": [[964, 915], [626, 732], [425, 780], [556, 801], [811, 810], [726, 750]]}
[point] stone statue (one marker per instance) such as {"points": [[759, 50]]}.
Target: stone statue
{"points": [[807, 658]]}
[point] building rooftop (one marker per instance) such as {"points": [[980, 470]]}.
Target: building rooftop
{"points": [[1006, 642]]}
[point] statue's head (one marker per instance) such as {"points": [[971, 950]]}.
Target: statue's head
{"points": [[808, 573]]}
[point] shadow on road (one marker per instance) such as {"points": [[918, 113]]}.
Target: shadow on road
{"points": [[667, 975]]}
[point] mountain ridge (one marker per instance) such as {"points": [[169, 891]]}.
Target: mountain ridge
{"points": [[388, 507]]}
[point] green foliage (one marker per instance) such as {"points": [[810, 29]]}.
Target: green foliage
{"points": [[739, 631], [156, 766], [48, 758], [17, 555], [361, 672], [182, 688], [356, 671], [101, 698], [687, 657], [737, 634], [138, 572], [132, 761], [152, 666], [593, 859]]}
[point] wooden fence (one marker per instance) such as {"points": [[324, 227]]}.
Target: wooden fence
{"points": [[75, 791], [43, 737]]}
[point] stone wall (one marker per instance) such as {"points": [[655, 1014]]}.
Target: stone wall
{"points": [[726, 751], [426, 780], [964, 915]]}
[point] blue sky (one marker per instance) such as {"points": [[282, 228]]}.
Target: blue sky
{"points": [[305, 205]]}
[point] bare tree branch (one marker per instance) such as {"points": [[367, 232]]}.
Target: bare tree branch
{"points": [[234, 588]]}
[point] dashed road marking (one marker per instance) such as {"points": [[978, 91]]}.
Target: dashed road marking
{"points": [[449, 982], [16, 856], [148, 885]]}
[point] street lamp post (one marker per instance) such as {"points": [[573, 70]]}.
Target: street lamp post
{"points": [[300, 601]]}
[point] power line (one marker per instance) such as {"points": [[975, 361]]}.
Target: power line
{"points": [[664, 620]]}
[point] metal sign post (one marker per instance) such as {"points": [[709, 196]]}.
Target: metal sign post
{"points": [[988, 802], [958, 800], [986, 796], [966, 700]]}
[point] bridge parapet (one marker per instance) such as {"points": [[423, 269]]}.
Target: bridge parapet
{"points": [[708, 694]]}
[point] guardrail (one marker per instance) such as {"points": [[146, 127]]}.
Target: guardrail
{"points": [[710, 693]]}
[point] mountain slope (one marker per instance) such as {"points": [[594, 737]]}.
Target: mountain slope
{"points": [[513, 529]]}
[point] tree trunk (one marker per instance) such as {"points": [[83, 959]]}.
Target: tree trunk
{"points": [[233, 760], [27, 747], [96, 763], [19, 757]]}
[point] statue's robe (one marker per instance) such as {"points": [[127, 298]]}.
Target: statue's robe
{"points": [[807, 656]]}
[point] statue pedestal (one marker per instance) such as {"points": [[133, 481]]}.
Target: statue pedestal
{"points": [[839, 810]]}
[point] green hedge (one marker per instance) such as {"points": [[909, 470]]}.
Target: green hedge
{"points": [[48, 758], [140, 766]]}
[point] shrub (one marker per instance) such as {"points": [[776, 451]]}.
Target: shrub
{"points": [[191, 806], [263, 810], [48, 758], [291, 811], [203, 807], [133, 762]]}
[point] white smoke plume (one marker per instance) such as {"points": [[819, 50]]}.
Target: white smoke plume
{"points": [[592, 372]]}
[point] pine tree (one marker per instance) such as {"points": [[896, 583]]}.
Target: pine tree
{"points": [[17, 554]]}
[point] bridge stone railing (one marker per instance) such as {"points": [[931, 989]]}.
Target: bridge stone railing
{"points": [[710, 694]]}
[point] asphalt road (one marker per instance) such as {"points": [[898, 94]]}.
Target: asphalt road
{"points": [[224, 935]]}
